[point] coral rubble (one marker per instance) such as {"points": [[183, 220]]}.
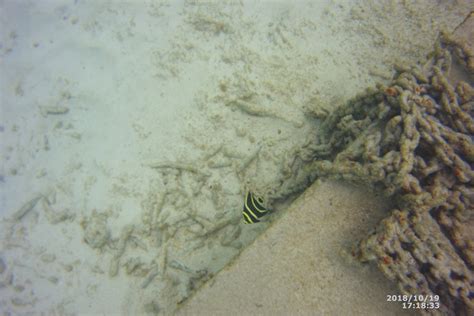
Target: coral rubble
{"points": [[414, 138]]}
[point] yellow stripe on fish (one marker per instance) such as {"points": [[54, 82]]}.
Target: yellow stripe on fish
{"points": [[253, 209]]}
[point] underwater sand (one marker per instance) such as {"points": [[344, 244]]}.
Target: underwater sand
{"points": [[129, 132], [302, 265]]}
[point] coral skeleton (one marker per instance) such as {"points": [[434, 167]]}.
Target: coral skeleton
{"points": [[414, 138]]}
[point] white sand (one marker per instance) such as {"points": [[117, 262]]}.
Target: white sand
{"points": [[150, 81], [302, 265]]}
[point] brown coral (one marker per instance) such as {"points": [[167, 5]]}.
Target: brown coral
{"points": [[414, 138]]}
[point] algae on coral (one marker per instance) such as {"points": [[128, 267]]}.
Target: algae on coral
{"points": [[415, 139]]}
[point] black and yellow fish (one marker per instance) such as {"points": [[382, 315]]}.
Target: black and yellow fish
{"points": [[253, 209]]}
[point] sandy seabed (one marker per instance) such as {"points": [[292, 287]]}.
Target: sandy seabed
{"points": [[130, 131]]}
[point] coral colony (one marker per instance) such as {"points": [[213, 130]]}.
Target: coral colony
{"points": [[414, 139]]}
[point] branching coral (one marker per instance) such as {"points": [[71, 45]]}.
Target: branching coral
{"points": [[415, 139]]}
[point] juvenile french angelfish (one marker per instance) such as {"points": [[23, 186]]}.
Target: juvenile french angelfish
{"points": [[253, 209]]}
